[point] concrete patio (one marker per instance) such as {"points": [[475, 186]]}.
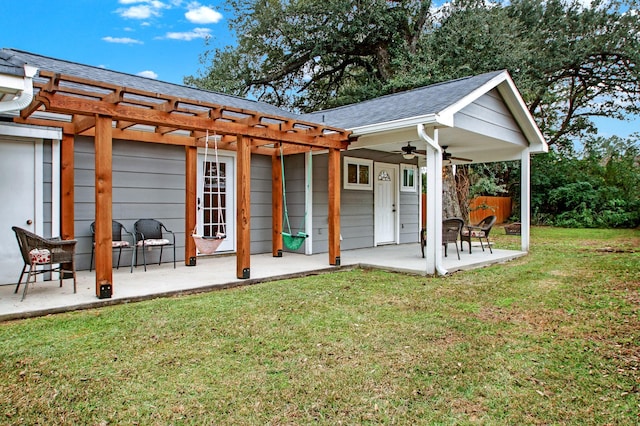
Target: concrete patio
{"points": [[219, 272]]}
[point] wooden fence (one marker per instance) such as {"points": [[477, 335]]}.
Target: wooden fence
{"points": [[480, 207]]}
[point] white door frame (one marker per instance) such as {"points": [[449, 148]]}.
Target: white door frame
{"points": [[396, 201], [230, 216]]}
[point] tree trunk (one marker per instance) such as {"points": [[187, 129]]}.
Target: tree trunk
{"points": [[462, 190], [450, 205]]}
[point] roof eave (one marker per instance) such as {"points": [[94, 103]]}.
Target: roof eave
{"points": [[432, 120]]}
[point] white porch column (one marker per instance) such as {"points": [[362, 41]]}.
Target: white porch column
{"points": [[308, 202], [433, 252], [525, 199]]}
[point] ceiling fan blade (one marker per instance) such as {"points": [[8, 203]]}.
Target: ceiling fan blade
{"points": [[461, 159]]}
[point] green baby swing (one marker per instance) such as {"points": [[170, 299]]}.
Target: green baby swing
{"points": [[290, 241], [208, 245]]}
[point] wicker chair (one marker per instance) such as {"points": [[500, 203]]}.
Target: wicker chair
{"points": [[117, 242], [450, 231], [480, 231], [149, 234], [38, 251]]}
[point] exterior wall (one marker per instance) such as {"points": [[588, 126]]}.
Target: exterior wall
{"points": [[260, 204], [409, 216], [294, 174], [357, 207], [148, 182], [320, 221]]}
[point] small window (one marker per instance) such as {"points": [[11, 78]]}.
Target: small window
{"points": [[409, 178], [357, 173]]}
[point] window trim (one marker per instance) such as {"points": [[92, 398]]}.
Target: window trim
{"points": [[358, 162], [414, 169]]}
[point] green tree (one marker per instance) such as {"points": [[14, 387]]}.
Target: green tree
{"points": [[599, 187], [311, 54], [571, 63]]}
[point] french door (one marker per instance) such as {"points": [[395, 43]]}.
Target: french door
{"points": [[216, 199]]}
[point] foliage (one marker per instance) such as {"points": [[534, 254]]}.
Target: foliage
{"points": [[314, 54], [599, 188], [545, 339], [489, 179], [570, 62]]}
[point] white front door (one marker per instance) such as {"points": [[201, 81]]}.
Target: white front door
{"points": [[216, 199], [18, 189], [386, 209]]}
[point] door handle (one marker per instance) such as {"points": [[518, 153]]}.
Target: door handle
{"points": [[29, 222]]}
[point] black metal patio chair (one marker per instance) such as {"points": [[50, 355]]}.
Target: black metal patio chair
{"points": [[148, 233], [117, 241]]}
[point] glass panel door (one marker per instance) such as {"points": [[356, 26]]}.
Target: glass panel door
{"points": [[216, 207]]}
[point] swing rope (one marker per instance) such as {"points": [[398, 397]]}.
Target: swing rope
{"points": [[208, 245], [292, 242]]}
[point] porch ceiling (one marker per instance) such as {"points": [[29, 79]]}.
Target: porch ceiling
{"points": [[73, 103], [479, 148]]}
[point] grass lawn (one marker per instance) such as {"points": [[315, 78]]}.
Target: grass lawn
{"points": [[552, 338]]}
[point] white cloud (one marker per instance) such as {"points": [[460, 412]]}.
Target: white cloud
{"points": [[142, 9], [198, 14], [137, 12], [121, 40], [190, 35], [148, 74]]}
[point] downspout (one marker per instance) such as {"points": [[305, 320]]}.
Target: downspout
{"points": [[26, 95], [437, 189]]}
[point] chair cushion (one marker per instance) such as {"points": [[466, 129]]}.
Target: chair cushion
{"points": [[474, 233], [40, 256], [157, 242], [116, 244]]}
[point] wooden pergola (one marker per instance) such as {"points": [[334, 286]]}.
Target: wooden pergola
{"points": [[106, 112]]}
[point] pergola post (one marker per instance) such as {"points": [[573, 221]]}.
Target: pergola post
{"points": [[334, 207], [67, 193], [103, 206], [67, 187], [243, 214], [191, 177], [276, 205]]}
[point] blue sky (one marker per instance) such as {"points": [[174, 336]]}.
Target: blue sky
{"points": [[160, 39]]}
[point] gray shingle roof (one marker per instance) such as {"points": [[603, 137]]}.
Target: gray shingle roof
{"points": [[417, 102], [11, 65], [143, 83], [397, 106]]}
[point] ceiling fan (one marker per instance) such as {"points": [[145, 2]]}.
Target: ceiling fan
{"points": [[410, 151], [447, 156]]}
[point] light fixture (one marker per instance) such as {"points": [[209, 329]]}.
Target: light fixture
{"points": [[408, 152]]}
